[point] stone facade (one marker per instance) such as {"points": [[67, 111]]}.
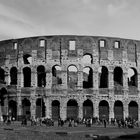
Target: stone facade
{"points": [[42, 72]]}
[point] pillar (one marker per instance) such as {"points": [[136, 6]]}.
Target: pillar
{"points": [[64, 79], [33, 103], [48, 107], [111, 110], [34, 77], [48, 80], [125, 110], [20, 78], [63, 110], [138, 81], [6, 106], [111, 79], [19, 103], [80, 113], [80, 79], [125, 81], [111, 83], [7, 78], [33, 107], [96, 109], [95, 79]]}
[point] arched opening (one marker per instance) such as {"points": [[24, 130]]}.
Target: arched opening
{"points": [[27, 58], [118, 76], [2, 75], [87, 77], [88, 109], [118, 110], [103, 110], [41, 76], [87, 59], [72, 109], [72, 76], [103, 76], [3, 92], [133, 110], [27, 76], [13, 76], [132, 77], [55, 109], [12, 109], [40, 108], [56, 75], [26, 108]]}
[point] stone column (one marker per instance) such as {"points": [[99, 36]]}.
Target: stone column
{"points": [[33, 107], [80, 113], [33, 103], [48, 80], [125, 85], [111, 83], [111, 110], [125, 110], [19, 103], [7, 78], [64, 79], [96, 79], [20, 79], [63, 110], [80, 79], [34, 56], [139, 81], [125, 81], [48, 107], [111, 79], [96, 109], [6, 106], [34, 77]]}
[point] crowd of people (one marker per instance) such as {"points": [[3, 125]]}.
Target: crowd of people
{"points": [[71, 122]]}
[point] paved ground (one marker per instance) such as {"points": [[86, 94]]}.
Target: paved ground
{"points": [[16, 131]]}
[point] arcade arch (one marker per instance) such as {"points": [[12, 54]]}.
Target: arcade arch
{"points": [[72, 109], [103, 110], [87, 109], [55, 109], [118, 110]]}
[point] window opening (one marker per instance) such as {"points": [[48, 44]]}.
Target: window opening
{"points": [[56, 72], [27, 77], [132, 77], [41, 76], [15, 45], [117, 44], [103, 75], [42, 43], [71, 45], [27, 59], [72, 76], [13, 75], [87, 77], [102, 43], [87, 59]]}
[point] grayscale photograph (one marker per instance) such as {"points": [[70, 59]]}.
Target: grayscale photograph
{"points": [[69, 69]]}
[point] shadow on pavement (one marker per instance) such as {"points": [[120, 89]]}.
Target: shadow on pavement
{"points": [[128, 137]]}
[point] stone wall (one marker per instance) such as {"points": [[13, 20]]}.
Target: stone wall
{"points": [[56, 52]]}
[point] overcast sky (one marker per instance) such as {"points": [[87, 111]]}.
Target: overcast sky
{"points": [[114, 18]]}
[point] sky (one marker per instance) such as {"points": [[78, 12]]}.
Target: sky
{"points": [[113, 18]]}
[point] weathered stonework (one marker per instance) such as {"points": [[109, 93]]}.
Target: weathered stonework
{"points": [[56, 52]]}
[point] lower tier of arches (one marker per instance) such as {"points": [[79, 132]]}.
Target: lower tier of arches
{"points": [[70, 108]]}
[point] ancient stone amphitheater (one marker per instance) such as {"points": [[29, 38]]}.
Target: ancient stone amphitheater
{"points": [[70, 76]]}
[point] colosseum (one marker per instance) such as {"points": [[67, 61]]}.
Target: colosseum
{"points": [[70, 76]]}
